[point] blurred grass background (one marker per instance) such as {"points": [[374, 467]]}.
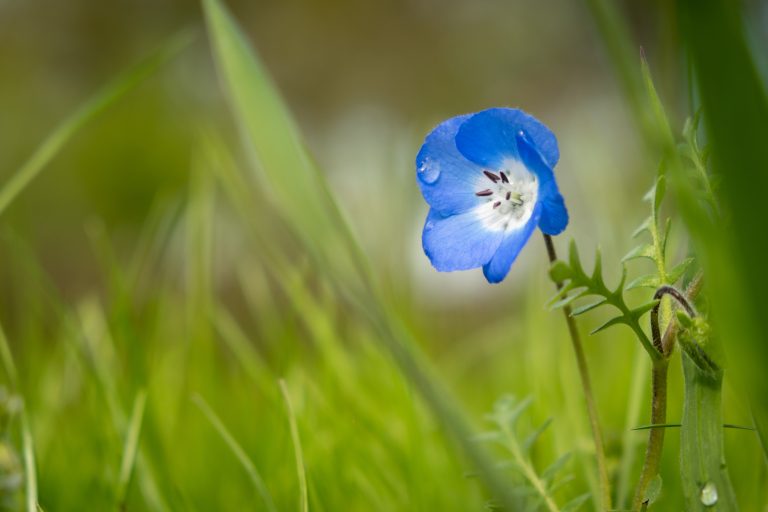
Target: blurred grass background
{"points": [[144, 259]]}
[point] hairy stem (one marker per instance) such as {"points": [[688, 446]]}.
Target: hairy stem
{"points": [[581, 361], [656, 436], [659, 384]]}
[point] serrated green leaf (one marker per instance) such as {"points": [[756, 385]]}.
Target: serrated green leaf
{"points": [[663, 130], [534, 436], [646, 281], [507, 410], [556, 486], [623, 280], [562, 292], [665, 237], [575, 503], [679, 270], [660, 190], [573, 258], [653, 490], [613, 321], [570, 298], [559, 271], [597, 272], [639, 311], [641, 251], [645, 226], [589, 307], [490, 436], [549, 473]]}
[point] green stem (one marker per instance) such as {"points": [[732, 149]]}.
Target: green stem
{"points": [[656, 436], [581, 361], [659, 385]]}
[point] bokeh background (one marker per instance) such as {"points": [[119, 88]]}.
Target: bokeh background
{"points": [[122, 269]]}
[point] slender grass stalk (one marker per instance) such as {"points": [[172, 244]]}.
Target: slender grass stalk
{"points": [[630, 439], [29, 463], [90, 109], [301, 470], [237, 450], [581, 362], [131, 449]]}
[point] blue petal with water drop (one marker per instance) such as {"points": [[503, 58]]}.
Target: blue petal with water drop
{"points": [[447, 180]]}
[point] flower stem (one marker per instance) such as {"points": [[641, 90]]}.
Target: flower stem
{"points": [[581, 361]]}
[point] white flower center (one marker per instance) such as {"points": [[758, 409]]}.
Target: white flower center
{"points": [[509, 195]]}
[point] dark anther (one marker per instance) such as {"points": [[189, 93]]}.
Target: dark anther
{"points": [[483, 193], [497, 204], [504, 177], [491, 176], [509, 194]]}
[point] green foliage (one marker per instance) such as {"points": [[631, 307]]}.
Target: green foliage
{"points": [[706, 482], [538, 489], [578, 284]]}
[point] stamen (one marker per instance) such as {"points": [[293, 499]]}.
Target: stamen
{"points": [[509, 194], [486, 192], [504, 177], [497, 204], [491, 176]]}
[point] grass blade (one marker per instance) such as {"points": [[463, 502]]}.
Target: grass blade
{"points": [[237, 450], [29, 463], [131, 448], [304, 504], [90, 109]]}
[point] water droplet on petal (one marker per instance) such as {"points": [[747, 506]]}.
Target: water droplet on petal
{"points": [[429, 171], [708, 494]]}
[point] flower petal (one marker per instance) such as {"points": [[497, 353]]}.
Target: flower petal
{"points": [[488, 137], [447, 180], [498, 267], [554, 215], [459, 242]]}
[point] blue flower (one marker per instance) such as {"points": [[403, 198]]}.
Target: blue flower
{"points": [[489, 182]]}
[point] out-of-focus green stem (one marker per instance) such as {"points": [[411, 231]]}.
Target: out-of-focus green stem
{"points": [[581, 361]]}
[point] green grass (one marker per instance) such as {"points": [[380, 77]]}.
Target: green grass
{"points": [[245, 351]]}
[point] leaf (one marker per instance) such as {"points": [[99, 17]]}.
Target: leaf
{"points": [[237, 451], [597, 272], [298, 452], [534, 436], [646, 281], [645, 226], [665, 237], [589, 307], [573, 259], [641, 251], [639, 311], [575, 503], [570, 298], [613, 321], [663, 132], [679, 270], [130, 449], [660, 190], [549, 473]]}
